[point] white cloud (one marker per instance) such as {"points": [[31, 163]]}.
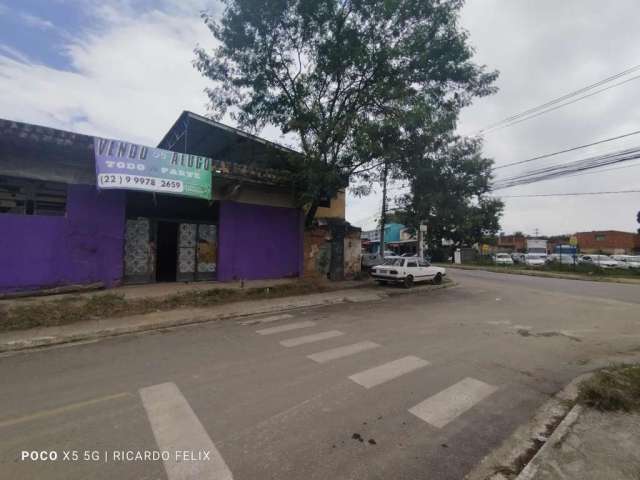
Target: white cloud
{"points": [[35, 21], [131, 79], [545, 49], [131, 75]]}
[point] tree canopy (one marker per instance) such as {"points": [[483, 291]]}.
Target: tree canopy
{"points": [[449, 183], [344, 76]]}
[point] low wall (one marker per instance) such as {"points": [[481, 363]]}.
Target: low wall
{"points": [[84, 246]]}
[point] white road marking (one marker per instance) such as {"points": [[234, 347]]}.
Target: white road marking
{"points": [[388, 371], [316, 337], [285, 328], [499, 322], [452, 402], [177, 429], [522, 327], [340, 352], [273, 318]]}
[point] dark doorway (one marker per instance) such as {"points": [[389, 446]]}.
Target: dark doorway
{"points": [[167, 253]]}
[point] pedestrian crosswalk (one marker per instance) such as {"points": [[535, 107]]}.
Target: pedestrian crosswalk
{"points": [[437, 410], [316, 337], [388, 371], [445, 406], [285, 328], [341, 352]]}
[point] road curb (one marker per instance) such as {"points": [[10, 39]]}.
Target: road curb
{"points": [[518, 456], [288, 304], [558, 275], [556, 438]]}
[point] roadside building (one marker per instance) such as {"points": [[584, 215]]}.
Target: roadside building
{"points": [[512, 243], [397, 238], [612, 242], [75, 209]]}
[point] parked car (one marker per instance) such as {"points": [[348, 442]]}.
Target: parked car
{"points": [[372, 259], [535, 259], [627, 261], [407, 271], [602, 261], [563, 258], [517, 257], [502, 259]]}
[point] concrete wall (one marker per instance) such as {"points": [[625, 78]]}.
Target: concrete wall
{"points": [[257, 241], [84, 246], [318, 247], [336, 209], [352, 254]]}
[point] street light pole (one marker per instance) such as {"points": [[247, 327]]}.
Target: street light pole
{"points": [[383, 214]]}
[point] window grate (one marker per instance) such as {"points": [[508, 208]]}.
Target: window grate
{"points": [[32, 197]]}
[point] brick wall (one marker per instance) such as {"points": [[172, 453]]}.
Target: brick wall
{"points": [[609, 241]]}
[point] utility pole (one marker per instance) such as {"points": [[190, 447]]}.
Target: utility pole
{"points": [[383, 214]]}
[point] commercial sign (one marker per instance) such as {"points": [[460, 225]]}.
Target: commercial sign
{"points": [[128, 166]]}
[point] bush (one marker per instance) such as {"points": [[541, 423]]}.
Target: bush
{"points": [[614, 388]]}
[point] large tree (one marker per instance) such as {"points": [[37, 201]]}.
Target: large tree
{"points": [[449, 182], [342, 75]]}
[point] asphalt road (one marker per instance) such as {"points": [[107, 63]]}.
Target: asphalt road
{"points": [[411, 387]]}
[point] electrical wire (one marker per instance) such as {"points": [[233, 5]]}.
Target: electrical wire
{"points": [[555, 171], [572, 194], [572, 149], [551, 103]]}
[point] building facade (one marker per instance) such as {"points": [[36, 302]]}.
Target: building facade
{"points": [[59, 228], [612, 242]]}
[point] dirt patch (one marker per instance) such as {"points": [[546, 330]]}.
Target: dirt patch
{"points": [[616, 388], [529, 333], [70, 310]]}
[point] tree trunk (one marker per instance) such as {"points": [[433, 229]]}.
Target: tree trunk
{"points": [[311, 214]]}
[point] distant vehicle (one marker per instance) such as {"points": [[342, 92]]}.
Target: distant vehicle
{"points": [[407, 271], [627, 261], [563, 258], [535, 259], [502, 259], [372, 259], [536, 245], [602, 261], [517, 257]]}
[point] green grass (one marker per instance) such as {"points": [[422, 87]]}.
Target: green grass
{"points": [[109, 305], [587, 272], [616, 388]]}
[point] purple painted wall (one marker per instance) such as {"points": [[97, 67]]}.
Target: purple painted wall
{"points": [[256, 241], [85, 246]]}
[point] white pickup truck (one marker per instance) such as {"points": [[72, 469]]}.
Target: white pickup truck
{"points": [[407, 270]]}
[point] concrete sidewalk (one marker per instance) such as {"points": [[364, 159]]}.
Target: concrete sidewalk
{"points": [[159, 290], [589, 445], [107, 327]]}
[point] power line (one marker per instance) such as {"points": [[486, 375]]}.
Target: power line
{"points": [[563, 104], [569, 194], [573, 149], [554, 171], [545, 106]]}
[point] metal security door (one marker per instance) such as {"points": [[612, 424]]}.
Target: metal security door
{"points": [[207, 252], [187, 233], [139, 251]]}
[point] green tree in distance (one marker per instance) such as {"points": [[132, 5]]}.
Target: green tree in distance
{"points": [[343, 76], [449, 186]]}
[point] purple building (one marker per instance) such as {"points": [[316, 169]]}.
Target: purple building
{"points": [[58, 228]]}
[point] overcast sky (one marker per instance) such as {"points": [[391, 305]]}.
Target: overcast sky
{"points": [[122, 68]]}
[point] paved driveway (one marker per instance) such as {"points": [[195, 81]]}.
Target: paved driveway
{"points": [[411, 387]]}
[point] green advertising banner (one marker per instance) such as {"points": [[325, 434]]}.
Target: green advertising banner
{"points": [[128, 166]]}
